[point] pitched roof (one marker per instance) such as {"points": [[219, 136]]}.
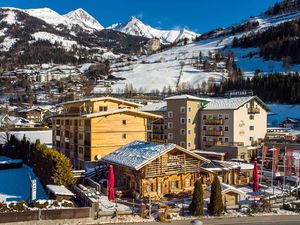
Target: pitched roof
{"points": [[188, 97], [228, 188], [232, 103], [155, 107], [138, 153], [103, 99], [116, 111]]}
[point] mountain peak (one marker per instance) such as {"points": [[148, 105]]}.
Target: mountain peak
{"points": [[81, 17]]}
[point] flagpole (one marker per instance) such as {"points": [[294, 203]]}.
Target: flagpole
{"points": [[262, 164], [272, 168], [284, 167]]}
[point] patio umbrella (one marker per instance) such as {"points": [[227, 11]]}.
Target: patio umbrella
{"points": [[111, 184], [255, 178]]}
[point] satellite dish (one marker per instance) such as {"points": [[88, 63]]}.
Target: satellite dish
{"points": [[98, 157]]}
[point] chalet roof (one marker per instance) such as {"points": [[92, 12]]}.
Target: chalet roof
{"points": [[116, 111], [188, 97], [232, 103], [155, 107], [217, 165], [103, 99], [137, 154]]}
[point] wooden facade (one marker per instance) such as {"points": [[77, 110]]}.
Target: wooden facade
{"points": [[172, 172], [88, 130]]}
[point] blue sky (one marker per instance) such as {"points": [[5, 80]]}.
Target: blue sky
{"points": [[197, 15]]}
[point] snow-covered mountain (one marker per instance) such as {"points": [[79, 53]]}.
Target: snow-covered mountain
{"points": [[77, 17], [81, 17], [137, 28]]}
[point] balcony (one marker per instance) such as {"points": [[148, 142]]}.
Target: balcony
{"points": [[209, 143], [253, 110], [214, 121], [214, 133]]}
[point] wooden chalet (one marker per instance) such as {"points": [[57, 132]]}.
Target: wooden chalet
{"points": [[144, 169]]}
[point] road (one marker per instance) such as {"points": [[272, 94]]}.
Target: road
{"points": [[261, 220]]}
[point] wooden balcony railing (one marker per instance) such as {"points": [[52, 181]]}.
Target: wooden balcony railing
{"points": [[214, 133], [214, 121], [253, 110]]}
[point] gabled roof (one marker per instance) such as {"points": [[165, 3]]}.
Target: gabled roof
{"points": [[187, 97], [232, 103], [116, 111], [228, 188], [103, 99], [137, 154]]}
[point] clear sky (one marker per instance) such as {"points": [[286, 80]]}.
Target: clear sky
{"points": [[197, 15]]}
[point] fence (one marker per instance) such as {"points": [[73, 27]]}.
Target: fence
{"points": [[55, 214]]}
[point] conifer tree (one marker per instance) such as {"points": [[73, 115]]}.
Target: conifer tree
{"points": [[196, 207], [216, 207]]}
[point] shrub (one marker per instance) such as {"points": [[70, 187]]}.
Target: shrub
{"points": [[215, 206], [196, 207]]}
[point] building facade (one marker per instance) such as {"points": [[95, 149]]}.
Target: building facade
{"points": [[87, 130]]}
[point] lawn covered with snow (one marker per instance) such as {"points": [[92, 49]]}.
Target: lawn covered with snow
{"points": [[279, 112], [15, 184]]}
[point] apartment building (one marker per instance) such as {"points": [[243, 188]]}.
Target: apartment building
{"points": [[88, 129], [203, 123]]}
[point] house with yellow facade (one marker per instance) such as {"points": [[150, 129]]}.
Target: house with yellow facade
{"points": [[89, 129]]}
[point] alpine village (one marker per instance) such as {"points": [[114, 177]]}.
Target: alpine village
{"points": [[135, 124]]}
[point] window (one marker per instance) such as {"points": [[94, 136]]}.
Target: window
{"points": [[182, 120], [182, 144], [190, 109], [220, 128], [251, 117], [189, 120], [189, 131], [189, 144], [182, 109], [251, 127], [124, 122], [80, 150], [182, 132], [80, 136], [204, 117], [204, 139], [204, 128], [226, 116], [250, 138], [226, 140], [103, 108], [220, 116], [170, 136], [170, 125], [123, 136], [170, 114], [220, 139], [226, 128]]}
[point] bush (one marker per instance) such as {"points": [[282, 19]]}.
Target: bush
{"points": [[215, 206], [68, 204], [41, 205], [196, 207]]}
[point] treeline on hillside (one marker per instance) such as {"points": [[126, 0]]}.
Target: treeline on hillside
{"points": [[275, 87], [50, 166], [276, 43], [283, 7]]}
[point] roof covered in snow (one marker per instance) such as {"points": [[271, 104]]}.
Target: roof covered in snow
{"points": [[188, 97], [232, 103], [228, 188], [155, 107], [59, 190], [138, 153]]}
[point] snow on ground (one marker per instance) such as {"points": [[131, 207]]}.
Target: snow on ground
{"points": [[279, 112], [3, 31], [52, 38], [106, 205], [15, 184], [10, 18], [7, 43], [45, 136]]}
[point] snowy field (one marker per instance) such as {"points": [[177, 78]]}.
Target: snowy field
{"points": [[45, 136], [279, 112], [15, 184]]}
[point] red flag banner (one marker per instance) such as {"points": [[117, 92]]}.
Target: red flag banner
{"points": [[264, 152], [275, 160], [289, 161]]}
